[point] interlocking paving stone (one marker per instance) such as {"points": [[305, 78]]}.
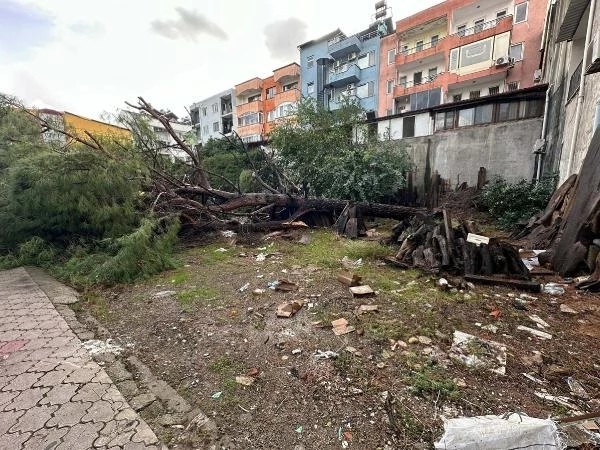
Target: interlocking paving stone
{"points": [[53, 396]]}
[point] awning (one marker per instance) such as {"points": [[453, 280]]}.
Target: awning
{"points": [[570, 22]]}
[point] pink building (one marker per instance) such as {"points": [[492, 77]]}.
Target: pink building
{"points": [[459, 50]]}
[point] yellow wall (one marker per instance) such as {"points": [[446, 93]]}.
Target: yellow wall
{"points": [[425, 36], [79, 125]]}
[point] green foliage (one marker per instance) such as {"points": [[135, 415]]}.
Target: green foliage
{"points": [[317, 148], [429, 383], [34, 252], [510, 203]]}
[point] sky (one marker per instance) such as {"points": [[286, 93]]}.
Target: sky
{"points": [[90, 56]]}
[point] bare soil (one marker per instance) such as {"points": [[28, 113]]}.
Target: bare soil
{"points": [[374, 394]]}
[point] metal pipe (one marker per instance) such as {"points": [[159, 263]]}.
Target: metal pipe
{"points": [[540, 155], [581, 94]]}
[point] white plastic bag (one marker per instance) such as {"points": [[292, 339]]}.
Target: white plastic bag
{"points": [[510, 432]]}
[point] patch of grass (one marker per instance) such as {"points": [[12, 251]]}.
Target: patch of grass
{"points": [[189, 298], [179, 277], [381, 330], [210, 256], [226, 366], [98, 306], [343, 363], [431, 383]]}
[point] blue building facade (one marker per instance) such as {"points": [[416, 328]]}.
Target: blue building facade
{"points": [[336, 68]]}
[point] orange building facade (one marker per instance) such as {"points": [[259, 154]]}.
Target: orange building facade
{"points": [[459, 50], [262, 103]]}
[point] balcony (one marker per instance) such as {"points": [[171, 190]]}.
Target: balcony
{"points": [[339, 48], [348, 73], [427, 83], [244, 108], [480, 31], [291, 95], [423, 51], [287, 74], [351, 99], [253, 86]]}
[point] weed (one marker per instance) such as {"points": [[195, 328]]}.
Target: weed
{"points": [[179, 277], [343, 363], [190, 297], [98, 305], [381, 330], [430, 383], [225, 366]]}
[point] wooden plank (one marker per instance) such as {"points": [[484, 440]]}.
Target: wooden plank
{"points": [[477, 239], [530, 286]]}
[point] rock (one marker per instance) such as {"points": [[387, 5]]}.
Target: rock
{"points": [[244, 381], [141, 401], [460, 382], [470, 286], [490, 328], [567, 309], [534, 360], [168, 420], [118, 372], [424, 340], [163, 294], [413, 340], [556, 371], [443, 284], [128, 388]]}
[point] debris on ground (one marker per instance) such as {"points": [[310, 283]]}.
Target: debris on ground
{"points": [[163, 294], [577, 388], [541, 323], [349, 264], [536, 333], [258, 292], [221, 250], [476, 352], [261, 257], [533, 378], [287, 310], [244, 288], [228, 234], [98, 347], [443, 284], [495, 432], [363, 309], [478, 239], [553, 289], [286, 286], [217, 395], [305, 239], [327, 354], [244, 380], [557, 399], [567, 309], [362, 291], [340, 327], [349, 279], [491, 328]]}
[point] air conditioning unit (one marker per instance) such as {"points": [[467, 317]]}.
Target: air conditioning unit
{"points": [[503, 61], [537, 75]]}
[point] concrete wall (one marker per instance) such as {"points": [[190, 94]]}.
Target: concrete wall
{"points": [[504, 149], [204, 130], [386, 72]]}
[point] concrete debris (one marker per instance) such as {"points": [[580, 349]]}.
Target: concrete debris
{"points": [[443, 284], [491, 328], [98, 347], [340, 327], [296, 351], [557, 399], [567, 309], [495, 432], [539, 321], [476, 352], [477, 239], [261, 257], [287, 310], [577, 388], [349, 279], [244, 381], [327, 354], [286, 286], [533, 378], [349, 264], [362, 291], [228, 234], [163, 294], [536, 333], [363, 309]]}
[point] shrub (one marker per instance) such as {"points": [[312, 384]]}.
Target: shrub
{"points": [[510, 203]]}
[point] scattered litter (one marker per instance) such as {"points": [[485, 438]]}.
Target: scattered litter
{"points": [[553, 289], [507, 431], [228, 233], [363, 309], [537, 333], [491, 328], [258, 292], [353, 351], [567, 309], [476, 352], [349, 279], [216, 395], [528, 297], [362, 291], [221, 250], [163, 294], [397, 344], [243, 380], [381, 365], [253, 372], [327, 354], [299, 429], [98, 347], [477, 239], [533, 378], [340, 326], [289, 309], [261, 257], [539, 321], [559, 400], [305, 239], [356, 391], [296, 351], [349, 264], [495, 313], [577, 388], [244, 288], [286, 286], [443, 284]]}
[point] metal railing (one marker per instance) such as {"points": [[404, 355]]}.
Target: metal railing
{"points": [[420, 48], [424, 80], [482, 26], [575, 80]]}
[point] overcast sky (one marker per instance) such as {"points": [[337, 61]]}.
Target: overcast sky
{"points": [[89, 56]]}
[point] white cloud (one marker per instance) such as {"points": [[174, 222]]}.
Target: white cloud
{"points": [[189, 25], [283, 37]]}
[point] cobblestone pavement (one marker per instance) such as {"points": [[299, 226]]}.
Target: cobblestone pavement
{"points": [[53, 396]]}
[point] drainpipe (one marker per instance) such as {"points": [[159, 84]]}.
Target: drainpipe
{"points": [[581, 95], [540, 154], [597, 118]]}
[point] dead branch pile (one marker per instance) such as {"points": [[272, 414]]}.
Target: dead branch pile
{"points": [[433, 244]]}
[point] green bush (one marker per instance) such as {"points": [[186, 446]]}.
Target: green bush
{"points": [[34, 252], [509, 203]]}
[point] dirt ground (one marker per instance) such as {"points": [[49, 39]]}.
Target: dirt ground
{"points": [[377, 393]]}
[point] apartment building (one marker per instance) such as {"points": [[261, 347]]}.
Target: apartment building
{"points": [[214, 116], [459, 50], [263, 102], [337, 68]]}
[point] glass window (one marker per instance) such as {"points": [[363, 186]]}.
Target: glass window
{"points": [[310, 88], [521, 11], [204, 111], [408, 126], [483, 114], [402, 81], [215, 108], [391, 56], [419, 46], [440, 119], [371, 59], [390, 86], [516, 51], [476, 53], [501, 14], [432, 73], [216, 126], [434, 40], [449, 122], [271, 92], [465, 117], [474, 94], [310, 62], [457, 97], [508, 111], [493, 90]]}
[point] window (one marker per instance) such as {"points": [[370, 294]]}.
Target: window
{"points": [[508, 111], [254, 98], [474, 94], [476, 53], [405, 49], [388, 112], [310, 88], [310, 62], [457, 97], [216, 126], [402, 81], [271, 92], [432, 73], [408, 127], [453, 59], [363, 61], [501, 14], [434, 40], [205, 130], [494, 90], [461, 30], [391, 56], [366, 90], [371, 59], [249, 119], [417, 78], [512, 86], [419, 46], [521, 12], [390, 86], [283, 110], [516, 52], [478, 25], [289, 87], [449, 121], [215, 107], [483, 114], [465, 117], [204, 111]]}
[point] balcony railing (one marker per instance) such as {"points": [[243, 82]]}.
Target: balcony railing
{"points": [[482, 27], [226, 109], [424, 80], [419, 48], [347, 73], [575, 80], [340, 47]]}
